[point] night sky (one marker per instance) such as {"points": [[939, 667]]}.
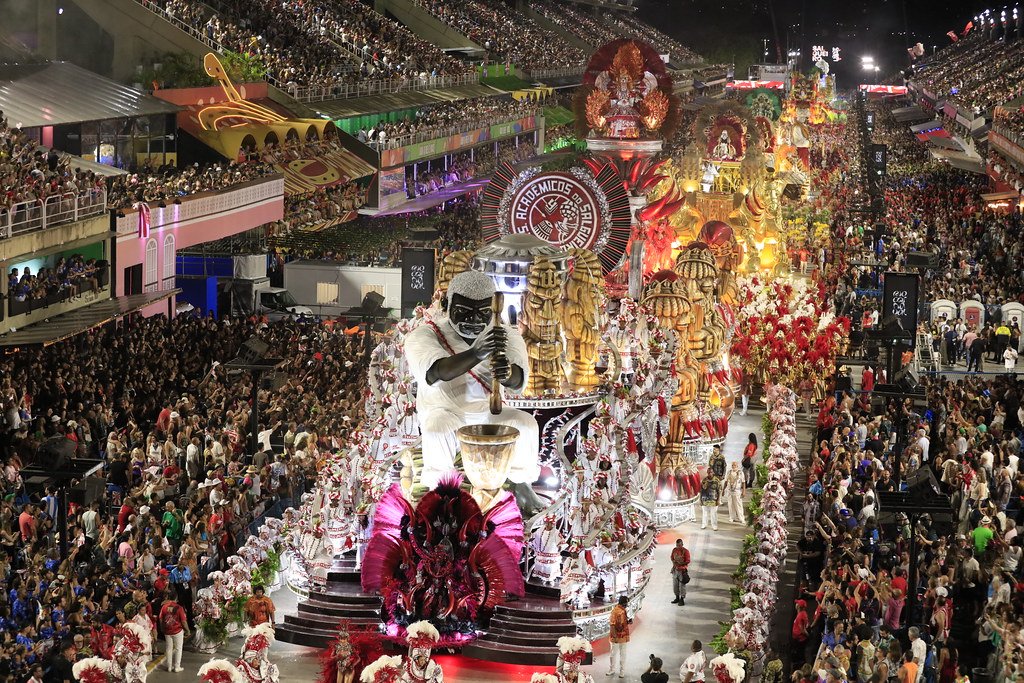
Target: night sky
{"points": [[880, 28]]}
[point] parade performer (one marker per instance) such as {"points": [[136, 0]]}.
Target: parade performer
{"points": [[347, 654], [130, 654], [710, 499], [446, 357], [255, 663], [92, 670], [220, 671], [419, 667], [386, 669], [571, 653], [575, 582], [547, 548]]}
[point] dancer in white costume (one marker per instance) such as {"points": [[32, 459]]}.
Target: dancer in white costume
{"points": [[448, 357], [419, 667], [255, 663], [547, 549]]}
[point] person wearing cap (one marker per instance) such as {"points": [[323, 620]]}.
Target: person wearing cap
{"points": [[982, 535]]}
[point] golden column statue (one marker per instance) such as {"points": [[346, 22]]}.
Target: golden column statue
{"points": [[542, 327], [580, 318]]}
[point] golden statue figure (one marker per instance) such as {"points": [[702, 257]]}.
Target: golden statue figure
{"points": [[696, 268], [542, 327], [451, 265], [579, 319], [666, 298]]}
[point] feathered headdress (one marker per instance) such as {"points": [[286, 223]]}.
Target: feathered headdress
{"points": [[258, 638], [134, 638], [220, 671], [386, 669], [422, 634], [728, 668], [91, 670], [573, 648]]}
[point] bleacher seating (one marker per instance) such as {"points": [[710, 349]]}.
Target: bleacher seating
{"points": [[580, 22]]}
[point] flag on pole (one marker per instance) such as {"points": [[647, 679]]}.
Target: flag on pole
{"points": [[143, 209]]}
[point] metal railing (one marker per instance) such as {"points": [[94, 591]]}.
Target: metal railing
{"points": [[562, 72], [440, 132], [33, 215], [385, 86]]}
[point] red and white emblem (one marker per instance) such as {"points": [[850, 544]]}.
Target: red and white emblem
{"points": [[557, 208]]}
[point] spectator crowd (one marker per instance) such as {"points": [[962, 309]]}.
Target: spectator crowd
{"points": [[314, 43], [449, 118], [506, 35], [152, 402], [898, 592]]}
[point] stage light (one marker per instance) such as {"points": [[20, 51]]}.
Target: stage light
{"points": [[870, 67], [60, 10], [865, 60]]}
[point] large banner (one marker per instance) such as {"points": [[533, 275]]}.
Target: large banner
{"points": [[417, 278], [899, 298], [883, 89], [392, 187], [441, 146], [751, 85]]}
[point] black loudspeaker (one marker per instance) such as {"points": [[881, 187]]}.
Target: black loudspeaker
{"points": [[906, 379], [922, 483], [372, 302], [922, 259], [88, 490], [253, 351]]}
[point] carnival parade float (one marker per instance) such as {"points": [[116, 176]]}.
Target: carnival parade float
{"points": [[558, 401]]}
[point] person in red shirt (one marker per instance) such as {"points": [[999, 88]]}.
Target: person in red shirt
{"points": [[899, 582], [163, 420], [867, 379], [680, 572], [27, 522], [125, 513], [174, 624], [801, 632]]}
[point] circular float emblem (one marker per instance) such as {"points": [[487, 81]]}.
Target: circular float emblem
{"points": [[558, 208], [569, 209]]}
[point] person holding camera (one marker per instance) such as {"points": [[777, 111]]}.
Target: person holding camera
{"points": [[654, 674]]}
